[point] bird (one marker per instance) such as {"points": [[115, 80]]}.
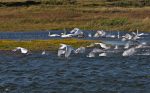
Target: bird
{"points": [[65, 35], [137, 33], [80, 50], [102, 54], [118, 36], [116, 47], [129, 51], [89, 35], [77, 32], [65, 50], [126, 37], [100, 34], [53, 35], [22, 50], [91, 54], [133, 50], [43, 53], [102, 45], [127, 45]]}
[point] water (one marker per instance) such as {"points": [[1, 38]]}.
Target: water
{"points": [[38, 73], [78, 74]]}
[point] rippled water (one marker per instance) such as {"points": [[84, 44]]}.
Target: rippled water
{"points": [[38, 73], [49, 74]]}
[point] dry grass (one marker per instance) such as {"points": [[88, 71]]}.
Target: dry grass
{"points": [[43, 17]]}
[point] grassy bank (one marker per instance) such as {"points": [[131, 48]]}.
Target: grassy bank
{"points": [[40, 45], [85, 14]]}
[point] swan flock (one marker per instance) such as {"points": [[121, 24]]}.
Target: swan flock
{"points": [[131, 46]]}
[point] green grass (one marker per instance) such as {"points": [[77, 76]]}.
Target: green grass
{"points": [[39, 45], [85, 14]]}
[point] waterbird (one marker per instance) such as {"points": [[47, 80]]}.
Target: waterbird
{"points": [[53, 35], [101, 45], [126, 37], [127, 45], [102, 54], [91, 54], [23, 50], [65, 50], [89, 35], [118, 36], [65, 35], [80, 50], [132, 50], [43, 53], [77, 32], [100, 33], [116, 47]]}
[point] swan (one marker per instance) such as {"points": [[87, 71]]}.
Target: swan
{"points": [[127, 45], [96, 51], [23, 50], [127, 37], [100, 33], [65, 50], [129, 52], [66, 35], [91, 54], [118, 36], [43, 53], [80, 50], [77, 32], [102, 54], [89, 35], [132, 50], [116, 47], [53, 35], [102, 45], [139, 34]]}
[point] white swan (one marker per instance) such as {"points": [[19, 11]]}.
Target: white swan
{"points": [[116, 47], [77, 32], [102, 54], [65, 50], [127, 37], [66, 35], [23, 50], [91, 54], [80, 50], [127, 45], [118, 36], [132, 50], [100, 34], [89, 35], [129, 52], [102, 45], [53, 35], [43, 53]]}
